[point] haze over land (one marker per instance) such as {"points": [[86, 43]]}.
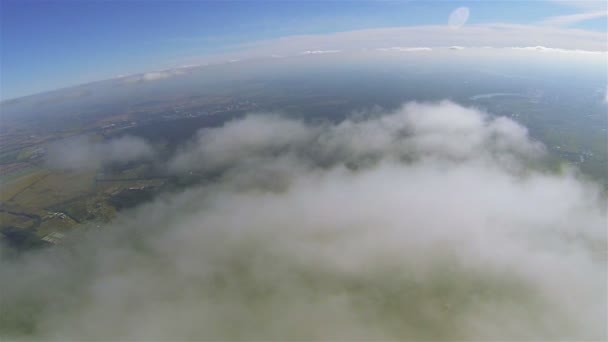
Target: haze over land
{"points": [[433, 221], [81, 153]]}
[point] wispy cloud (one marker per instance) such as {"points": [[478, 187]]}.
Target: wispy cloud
{"points": [[158, 74], [549, 49], [318, 52], [571, 19], [405, 49]]}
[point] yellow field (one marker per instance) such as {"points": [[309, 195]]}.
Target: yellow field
{"points": [[55, 188], [12, 188]]}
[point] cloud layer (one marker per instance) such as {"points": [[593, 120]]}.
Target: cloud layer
{"points": [[432, 222], [497, 35]]}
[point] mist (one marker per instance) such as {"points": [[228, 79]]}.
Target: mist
{"points": [[82, 153], [432, 222]]}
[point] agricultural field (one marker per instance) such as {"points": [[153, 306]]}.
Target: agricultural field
{"points": [[39, 205], [55, 188], [11, 188]]}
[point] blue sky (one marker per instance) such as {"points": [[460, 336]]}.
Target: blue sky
{"points": [[51, 44]]}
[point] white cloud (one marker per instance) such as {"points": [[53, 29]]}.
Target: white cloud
{"points": [[158, 75], [428, 223], [432, 222], [218, 148], [431, 131], [151, 76], [455, 47], [189, 66]]}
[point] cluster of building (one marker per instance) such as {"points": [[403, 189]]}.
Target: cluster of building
{"points": [[53, 237], [57, 214]]}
